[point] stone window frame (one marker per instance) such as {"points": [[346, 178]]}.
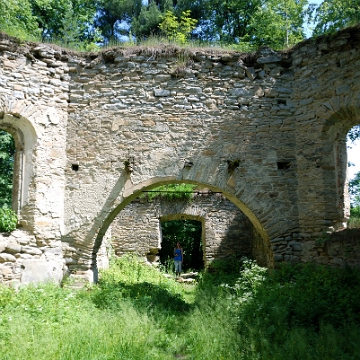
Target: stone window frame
{"points": [[25, 139]]}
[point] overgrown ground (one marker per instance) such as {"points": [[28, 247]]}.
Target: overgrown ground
{"points": [[236, 311]]}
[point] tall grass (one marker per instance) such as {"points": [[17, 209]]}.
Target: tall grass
{"points": [[302, 312]]}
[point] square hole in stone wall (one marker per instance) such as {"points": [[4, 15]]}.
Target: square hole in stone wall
{"points": [[283, 165]]}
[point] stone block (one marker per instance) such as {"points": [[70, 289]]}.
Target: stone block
{"points": [[4, 257], [38, 271], [13, 247]]}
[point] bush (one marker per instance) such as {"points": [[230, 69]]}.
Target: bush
{"points": [[8, 220]]}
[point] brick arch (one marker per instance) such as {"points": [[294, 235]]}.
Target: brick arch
{"points": [[133, 192], [340, 113]]}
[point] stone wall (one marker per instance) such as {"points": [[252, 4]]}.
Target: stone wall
{"points": [[267, 130], [225, 229]]}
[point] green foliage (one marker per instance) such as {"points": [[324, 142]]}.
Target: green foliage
{"points": [[242, 24], [177, 29], [17, 19], [7, 152], [113, 14], [171, 192], [277, 23], [354, 190], [147, 22], [307, 296], [56, 20], [354, 221], [8, 220], [355, 212], [129, 278], [222, 271], [354, 133], [301, 312], [333, 15]]}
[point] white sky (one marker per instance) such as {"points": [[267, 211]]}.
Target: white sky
{"points": [[354, 157]]}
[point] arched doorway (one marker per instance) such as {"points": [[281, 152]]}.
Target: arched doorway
{"points": [[253, 241]]}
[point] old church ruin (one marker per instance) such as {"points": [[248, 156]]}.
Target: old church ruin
{"points": [[266, 131]]}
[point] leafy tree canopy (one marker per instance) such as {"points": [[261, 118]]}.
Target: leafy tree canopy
{"points": [[16, 18], [55, 17], [333, 15]]}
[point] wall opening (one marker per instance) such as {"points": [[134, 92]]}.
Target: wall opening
{"points": [[353, 175], [131, 228], [24, 140], [189, 234], [7, 158]]}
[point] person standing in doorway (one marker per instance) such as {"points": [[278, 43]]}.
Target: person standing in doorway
{"points": [[178, 258]]}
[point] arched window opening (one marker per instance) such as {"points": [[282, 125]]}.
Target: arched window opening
{"points": [[7, 158], [189, 234], [353, 175]]}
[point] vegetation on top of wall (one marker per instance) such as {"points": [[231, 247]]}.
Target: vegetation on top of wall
{"points": [[91, 24], [171, 192]]}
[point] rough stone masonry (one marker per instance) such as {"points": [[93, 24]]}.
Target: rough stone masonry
{"points": [[92, 131]]}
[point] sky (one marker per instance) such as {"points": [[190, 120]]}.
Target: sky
{"points": [[354, 158]]}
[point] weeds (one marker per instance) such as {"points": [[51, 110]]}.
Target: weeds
{"points": [[301, 312]]}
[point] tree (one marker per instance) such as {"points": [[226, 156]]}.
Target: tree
{"points": [[354, 133], [7, 151], [354, 190], [277, 23], [16, 18], [147, 22], [114, 16], [175, 29], [333, 15], [52, 15], [228, 20]]}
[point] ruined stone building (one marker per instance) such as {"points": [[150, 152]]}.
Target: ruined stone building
{"points": [[92, 131]]}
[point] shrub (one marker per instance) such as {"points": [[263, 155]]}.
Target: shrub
{"points": [[8, 220]]}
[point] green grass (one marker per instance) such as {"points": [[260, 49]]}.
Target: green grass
{"points": [[237, 312]]}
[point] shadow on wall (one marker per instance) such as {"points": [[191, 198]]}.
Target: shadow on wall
{"points": [[242, 240]]}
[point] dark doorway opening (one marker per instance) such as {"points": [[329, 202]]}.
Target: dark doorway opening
{"points": [[188, 233], [7, 153]]}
